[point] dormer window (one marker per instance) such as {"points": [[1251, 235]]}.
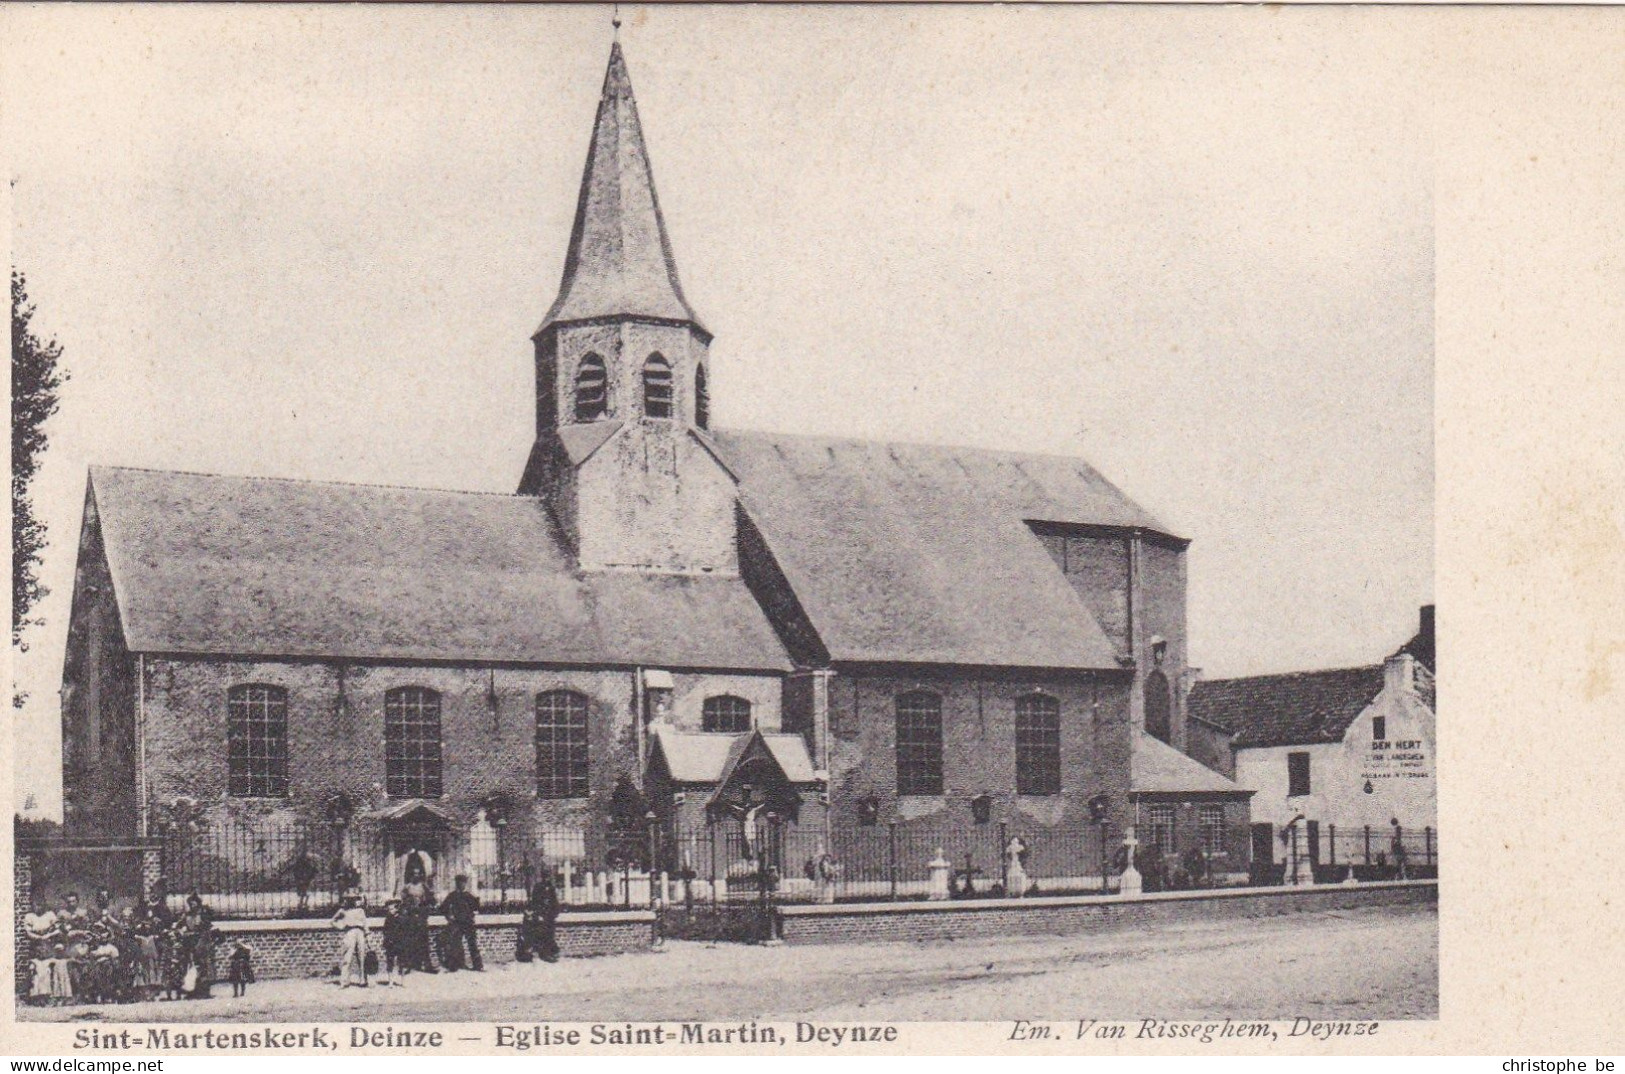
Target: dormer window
{"points": [[657, 392], [592, 389]]}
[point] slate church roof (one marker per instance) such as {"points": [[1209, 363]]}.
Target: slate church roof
{"points": [[1157, 768], [258, 566], [620, 260], [895, 553], [917, 554]]}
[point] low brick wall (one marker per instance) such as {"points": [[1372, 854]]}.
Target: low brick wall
{"points": [[955, 920], [310, 948]]}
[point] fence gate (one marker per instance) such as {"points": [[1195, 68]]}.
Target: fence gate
{"points": [[725, 887]]}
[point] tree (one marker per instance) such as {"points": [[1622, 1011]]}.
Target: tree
{"points": [[36, 381]]}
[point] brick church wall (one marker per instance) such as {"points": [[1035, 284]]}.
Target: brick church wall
{"points": [[978, 747], [99, 749], [334, 749]]}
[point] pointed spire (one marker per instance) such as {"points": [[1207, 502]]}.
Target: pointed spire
{"points": [[620, 261]]}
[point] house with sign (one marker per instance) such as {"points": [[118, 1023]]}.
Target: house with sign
{"points": [[666, 624], [1341, 761]]}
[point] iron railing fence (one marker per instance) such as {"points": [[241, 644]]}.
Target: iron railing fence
{"points": [[884, 862], [1372, 852], [300, 869]]}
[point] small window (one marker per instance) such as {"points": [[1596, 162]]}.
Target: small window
{"points": [[657, 387], [727, 714], [412, 743], [1038, 745], [1379, 728], [561, 745], [257, 741], [1161, 833], [592, 389], [1297, 774], [1210, 818], [919, 744], [702, 399]]}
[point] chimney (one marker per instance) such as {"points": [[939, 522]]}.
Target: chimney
{"points": [[1399, 672], [1425, 628]]}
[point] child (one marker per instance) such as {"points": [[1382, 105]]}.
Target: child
{"points": [[102, 973], [58, 977], [397, 941], [241, 968]]}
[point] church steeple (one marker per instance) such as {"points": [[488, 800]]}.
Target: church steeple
{"points": [[621, 458], [620, 262]]}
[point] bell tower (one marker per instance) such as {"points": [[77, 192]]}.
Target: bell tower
{"points": [[621, 457]]}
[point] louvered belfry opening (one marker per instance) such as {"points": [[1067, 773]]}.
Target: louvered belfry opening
{"points": [[592, 389], [657, 390]]}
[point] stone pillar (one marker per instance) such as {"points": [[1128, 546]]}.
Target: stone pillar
{"points": [[939, 867], [22, 902], [820, 714], [152, 869]]}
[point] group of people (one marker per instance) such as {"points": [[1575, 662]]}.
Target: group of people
{"points": [[107, 954], [407, 944], [104, 953]]}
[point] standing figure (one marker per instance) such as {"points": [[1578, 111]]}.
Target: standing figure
{"points": [[174, 958], [303, 872], [240, 968], [351, 920], [822, 870], [397, 943], [74, 924], [146, 977], [538, 929], [460, 907], [417, 903], [58, 976], [39, 927], [197, 944]]}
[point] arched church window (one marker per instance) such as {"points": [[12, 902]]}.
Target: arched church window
{"points": [[412, 743], [702, 399], [592, 389], [1158, 707], [257, 741], [561, 744], [656, 387], [1038, 745], [919, 743], [726, 713]]}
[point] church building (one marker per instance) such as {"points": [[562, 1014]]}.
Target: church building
{"points": [[666, 618]]}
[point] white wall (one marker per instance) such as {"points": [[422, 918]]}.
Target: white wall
{"points": [[1400, 771]]}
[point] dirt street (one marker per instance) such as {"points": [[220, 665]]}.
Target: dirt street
{"points": [[1379, 962]]}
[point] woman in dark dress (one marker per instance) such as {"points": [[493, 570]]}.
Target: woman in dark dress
{"points": [[417, 903], [538, 928], [197, 945]]}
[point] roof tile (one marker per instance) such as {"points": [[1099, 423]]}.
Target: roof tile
{"points": [[1301, 708]]}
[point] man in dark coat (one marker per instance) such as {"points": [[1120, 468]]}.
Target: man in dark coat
{"points": [[460, 907]]}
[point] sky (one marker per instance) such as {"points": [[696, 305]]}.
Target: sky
{"points": [[1194, 246]]}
